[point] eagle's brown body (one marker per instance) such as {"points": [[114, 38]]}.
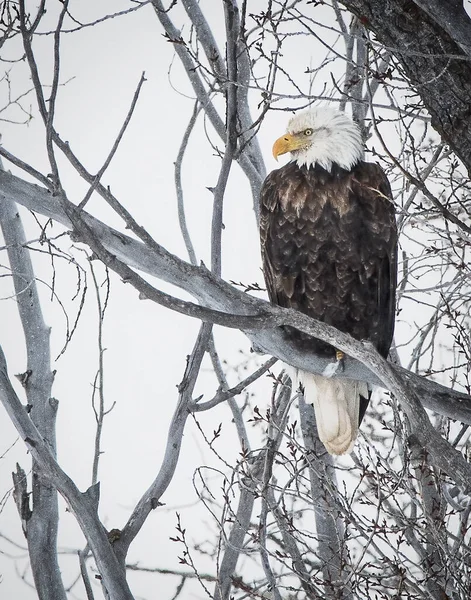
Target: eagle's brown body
{"points": [[329, 250]]}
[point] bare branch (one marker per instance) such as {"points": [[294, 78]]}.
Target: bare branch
{"points": [[113, 150], [42, 526], [329, 527], [83, 571], [83, 506], [225, 394], [235, 541], [179, 189], [151, 498], [98, 386], [213, 292]]}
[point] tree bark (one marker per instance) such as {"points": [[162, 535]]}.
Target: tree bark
{"points": [[431, 39], [210, 291], [41, 526], [329, 526]]}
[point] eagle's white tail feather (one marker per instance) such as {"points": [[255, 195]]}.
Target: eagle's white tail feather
{"points": [[336, 406]]}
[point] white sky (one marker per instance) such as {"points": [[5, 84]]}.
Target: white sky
{"points": [[146, 345]]}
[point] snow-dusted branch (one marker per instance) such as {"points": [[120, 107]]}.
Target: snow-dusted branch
{"points": [[232, 304], [42, 524]]}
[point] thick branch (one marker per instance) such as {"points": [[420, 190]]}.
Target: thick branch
{"points": [[42, 526], [452, 17], [448, 459], [215, 293], [83, 506], [435, 58]]}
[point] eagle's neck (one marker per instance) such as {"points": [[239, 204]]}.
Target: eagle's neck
{"points": [[341, 145]]}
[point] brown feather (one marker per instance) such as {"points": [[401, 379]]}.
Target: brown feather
{"points": [[329, 249]]}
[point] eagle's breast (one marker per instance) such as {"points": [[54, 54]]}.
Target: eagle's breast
{"points": [[328, 245], [309, 191]]}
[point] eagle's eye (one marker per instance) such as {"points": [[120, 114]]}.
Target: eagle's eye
{"points": [[308, 132]]}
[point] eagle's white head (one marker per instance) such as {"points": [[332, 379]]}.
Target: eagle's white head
{"points": [[321, 135]]}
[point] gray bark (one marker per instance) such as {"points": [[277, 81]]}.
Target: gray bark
{"points": [[42, 525], [434, 508], [451, 16], [82, 505], [213, 292], [329, 526], [235, 541], [431, 40]]}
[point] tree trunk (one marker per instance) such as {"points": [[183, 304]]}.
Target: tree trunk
{"points": [[432, 41]]}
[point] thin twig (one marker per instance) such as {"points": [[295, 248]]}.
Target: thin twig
{"points": [[99, 380], [179, 188], [82, 554], [224, 394], [115, 146], [53, 95]]}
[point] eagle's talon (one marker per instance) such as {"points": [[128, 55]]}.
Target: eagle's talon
{"points": [[340, 358], [332, 369]]}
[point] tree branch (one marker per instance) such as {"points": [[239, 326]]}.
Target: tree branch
{"points": [[83, 506], [432, 57], [235, 541], [150, 499], [115, 146], [42, 526], [252, 167], [215, 293], [329, 527]]}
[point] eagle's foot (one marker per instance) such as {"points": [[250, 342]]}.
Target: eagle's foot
{"points": [[335, 367]]}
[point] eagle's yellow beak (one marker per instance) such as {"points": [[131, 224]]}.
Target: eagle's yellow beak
{"points": [[287, 143]]}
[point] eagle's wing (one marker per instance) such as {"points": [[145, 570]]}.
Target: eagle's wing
{"points": [[379, 258], [329, 250], [268, 202], [281, 255]]}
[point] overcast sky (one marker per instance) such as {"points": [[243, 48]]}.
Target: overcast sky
{"points": [[146, 345]]}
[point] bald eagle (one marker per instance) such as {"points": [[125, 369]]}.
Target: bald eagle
{"points": [[329, 249]]}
